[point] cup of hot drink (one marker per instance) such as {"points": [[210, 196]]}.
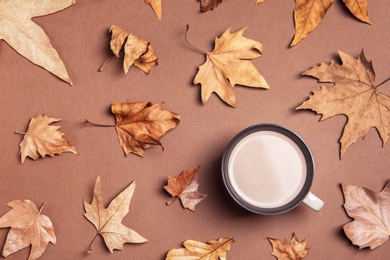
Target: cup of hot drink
{"points": [[268, 169]]}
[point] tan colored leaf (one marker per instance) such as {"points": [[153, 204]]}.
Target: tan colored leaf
{"points": [[214, 250], [136, 50], [354, 95], [309, 13], [293, 250], [156, 6], [371, 213], [227, 65], [259, 2], [28, 227], [43, 139], [140, 125], [108, 221], [185, 186], [27, 38], [207, 5]]}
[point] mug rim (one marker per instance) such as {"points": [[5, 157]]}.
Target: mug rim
{"points": [[309, 160]]}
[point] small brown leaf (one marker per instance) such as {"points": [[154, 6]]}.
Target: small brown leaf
{"points": [[371, 213], [359, 8], [28, 227], [185, 187], [207, 5], [108, 221], [43, 139], [283, 250], [214, 250], [140, 125], [156, 6]]}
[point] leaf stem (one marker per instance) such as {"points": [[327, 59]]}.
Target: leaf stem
{"points": [[104, 64], [89, 251], [172, 201], [41, 208], [383, 82], [20, 133], [86, 121], [192, 46]]}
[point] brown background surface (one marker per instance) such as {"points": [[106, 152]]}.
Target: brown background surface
{"points": [[79, 34]]}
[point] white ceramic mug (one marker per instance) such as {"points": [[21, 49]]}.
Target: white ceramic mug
{"points": [[268, 169]]}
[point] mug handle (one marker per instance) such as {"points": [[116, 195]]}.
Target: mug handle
{"points": [[313, 201]]}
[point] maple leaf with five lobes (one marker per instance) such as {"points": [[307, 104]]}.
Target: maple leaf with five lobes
{"points": [[185, 186], [371, 213], [309, 13], [27, 38], [108, 221], [354, 94], [28, 227], [227, 65], [282, 249]]}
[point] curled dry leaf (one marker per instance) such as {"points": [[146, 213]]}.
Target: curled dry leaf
{"points": [[309, 13], [28, 227], [137, 51], [185, 186], [207, 5], [227, 65], [140, 125], [108, 221], [354, 94], [43, 139], [214, 250], [371, 213], [293, 250], [27, 38], [156, 6]]}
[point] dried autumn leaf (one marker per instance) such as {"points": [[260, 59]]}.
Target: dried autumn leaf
{"points": [[28, 227], [108, 221], [27, 38], [185, 186], [43, 139], [156, 6], [227, 65], [371, 213], [309, 13], [207, 5], [137, 51], [214, 250], [354, 95], [140, 125], [293, 250]]}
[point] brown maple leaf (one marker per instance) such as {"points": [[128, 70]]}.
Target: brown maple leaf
{"points": [[293, 250], [309, 13], [227, 65], [214, 250], [108, 221], [185, 186], [354, 95], [156, 6], [140, 125], [371, 213], [43, 139], [27, 38], [27, 227], [207, 5], [137, 51]]}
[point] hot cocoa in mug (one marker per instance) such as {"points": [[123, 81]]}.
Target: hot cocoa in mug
{"points": [[268, 169]]}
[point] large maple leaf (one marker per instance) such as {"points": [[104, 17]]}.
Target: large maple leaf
{"points": [[108, 221], [140, 125], [28, 227], [193, 250], [43, 139], [294, 250], [185, 186], [27, 38], [309, 13], [227, 65], [354, 95], [371, 213]]}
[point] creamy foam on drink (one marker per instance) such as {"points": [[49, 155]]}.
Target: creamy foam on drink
{"points": [[267, 169]]}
